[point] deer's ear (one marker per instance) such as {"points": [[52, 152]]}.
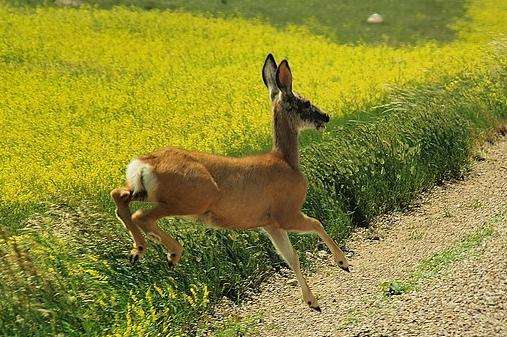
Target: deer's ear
{"points": [[284, 77], [269, 76]]}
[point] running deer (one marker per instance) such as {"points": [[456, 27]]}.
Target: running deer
{"points": [[265, 191]]}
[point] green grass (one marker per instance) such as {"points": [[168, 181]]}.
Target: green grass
{"points": [[436, 263], [82, 91], [235, 327]]}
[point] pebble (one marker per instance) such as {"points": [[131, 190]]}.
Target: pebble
{"points": [[375, 18]]}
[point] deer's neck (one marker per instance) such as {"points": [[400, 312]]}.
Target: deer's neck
{"points": [[285, 140]]}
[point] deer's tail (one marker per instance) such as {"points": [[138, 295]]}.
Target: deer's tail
{"points": [[141, 179]]}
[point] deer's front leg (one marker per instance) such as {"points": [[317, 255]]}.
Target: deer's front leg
{"points": [[281, 241], [304, 223]]}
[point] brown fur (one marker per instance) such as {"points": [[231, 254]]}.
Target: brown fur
{"points": [[265, 190]]}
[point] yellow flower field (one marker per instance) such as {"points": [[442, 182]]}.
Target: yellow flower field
{"points": [[82, 91]]}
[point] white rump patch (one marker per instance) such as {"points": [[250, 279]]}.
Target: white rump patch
{"points": [[140, 177]]}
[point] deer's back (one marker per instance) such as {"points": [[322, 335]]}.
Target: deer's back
{"points": [[230, 192]]}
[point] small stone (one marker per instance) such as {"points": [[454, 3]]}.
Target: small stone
{"points": [[375, 236], [375, 18], [292, 282], [322, 253]]}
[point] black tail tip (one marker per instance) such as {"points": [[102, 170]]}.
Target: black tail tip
{"points": [[317, 309]]}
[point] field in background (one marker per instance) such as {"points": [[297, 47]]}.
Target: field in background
{"points": [[83, 91]]}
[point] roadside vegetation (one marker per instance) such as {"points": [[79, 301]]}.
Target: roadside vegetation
{"points": [[84, 90], [434, 264]]}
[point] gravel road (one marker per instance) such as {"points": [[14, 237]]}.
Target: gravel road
{"points": [[448, 253]]}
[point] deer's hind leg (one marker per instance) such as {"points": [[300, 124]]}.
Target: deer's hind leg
{"points": [[304, 223], [146, 219], [122, 197]]}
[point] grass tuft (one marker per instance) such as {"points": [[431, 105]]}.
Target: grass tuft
{"points": [[434, 264]]}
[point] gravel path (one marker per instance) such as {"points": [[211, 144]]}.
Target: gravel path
{"points": [[451, 248]]}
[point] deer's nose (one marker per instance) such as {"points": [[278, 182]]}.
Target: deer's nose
{"points": [[326, 118]]}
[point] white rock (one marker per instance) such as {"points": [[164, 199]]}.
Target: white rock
{"points": [[292, 282], [322, 253], [375, 18]]}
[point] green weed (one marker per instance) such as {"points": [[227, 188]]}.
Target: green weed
{"points": [[433, 265]]}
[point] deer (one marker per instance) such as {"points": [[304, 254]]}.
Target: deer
{"points": [[264, 191]]}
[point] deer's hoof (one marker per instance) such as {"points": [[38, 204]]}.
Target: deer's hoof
{"points": [[314, 305], [172, 259], [125, 195], [343, 264], [133, 258], [136, 254], [316, 309]]}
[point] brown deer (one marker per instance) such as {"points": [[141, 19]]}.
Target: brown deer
{"points": [[264, 190]]}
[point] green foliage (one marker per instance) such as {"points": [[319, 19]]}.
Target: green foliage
{"points": [[395, 287], [236, 327], [381, 160], [69, 274], [437, 262]]}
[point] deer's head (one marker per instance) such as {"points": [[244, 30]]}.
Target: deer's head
{"points": [[299, 111]]}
